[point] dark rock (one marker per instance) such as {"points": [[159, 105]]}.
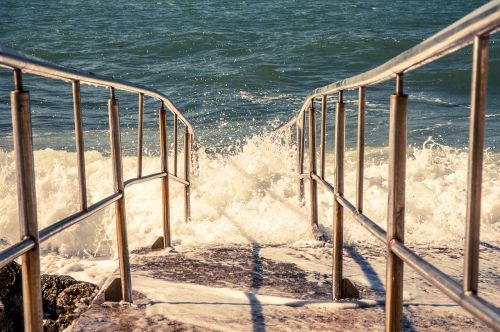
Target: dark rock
{"points": [[51, 325], [52, 286], [63, 299], [11, 303], [73, 300], [10, 279]]}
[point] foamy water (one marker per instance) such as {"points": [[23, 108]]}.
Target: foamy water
{"points": [[249, 196]]}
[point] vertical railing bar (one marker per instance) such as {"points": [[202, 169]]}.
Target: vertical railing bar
{"points": [[164, 181], [360, 149], [338, 217], [80, 150], [323, 136], [313, 186], [187, 174], [140, 135], [176, 125], [479, 89], [299, 140], [301, 146], [121, 223], [396, 205], [28, 223]]}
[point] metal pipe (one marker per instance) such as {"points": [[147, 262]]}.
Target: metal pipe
{"points": [[360, 149], [323, 136], [140, 126], [187, 176], [313, 187], [396, 205], [176, 125], [131, 182], [121, 224], [12, 59], [165, 193], [300, 155], [12, 252], [338, 217], [475, 176], [75, 218], [470, 302], [80, 150], [366, 222], [26, 193], [325, 184], [18, 81], [305, 176], [178, 179]]}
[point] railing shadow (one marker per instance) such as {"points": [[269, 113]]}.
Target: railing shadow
{"points": [[258, 320], [256, 308], [374, 279], [369, 272], [490, 246]]}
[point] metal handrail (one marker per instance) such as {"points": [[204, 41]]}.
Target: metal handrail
{"points": [[29, 246], [474, 28], [483, 21], [29, 64]]}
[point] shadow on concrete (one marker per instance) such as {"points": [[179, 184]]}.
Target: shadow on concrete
{"points": [[374, 279]]}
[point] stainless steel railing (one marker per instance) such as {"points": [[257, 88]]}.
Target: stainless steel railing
{"points": [[29, 245], [474, 28]]}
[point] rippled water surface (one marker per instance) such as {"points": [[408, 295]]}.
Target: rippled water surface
{"points": [[239, 68]]}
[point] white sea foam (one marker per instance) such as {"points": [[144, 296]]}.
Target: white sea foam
{"points": [[250, 196]]}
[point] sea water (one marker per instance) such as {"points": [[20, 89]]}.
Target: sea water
{"points": [[237, 70]]}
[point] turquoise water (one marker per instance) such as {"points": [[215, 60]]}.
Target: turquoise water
{"points": [[236, 69]]}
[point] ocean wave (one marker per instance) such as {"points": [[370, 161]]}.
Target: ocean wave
{"points": [[250, 194]]}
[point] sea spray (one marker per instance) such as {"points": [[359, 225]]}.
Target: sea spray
{"points": [[250, 196]]}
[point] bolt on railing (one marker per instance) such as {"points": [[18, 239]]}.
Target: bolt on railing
{"points": [[28, 248], [474, 28]]}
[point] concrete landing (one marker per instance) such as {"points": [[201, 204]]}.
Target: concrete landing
{"points": [[255, 289]]}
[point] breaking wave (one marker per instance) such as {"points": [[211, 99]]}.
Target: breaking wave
{"points": [[249, 196]]}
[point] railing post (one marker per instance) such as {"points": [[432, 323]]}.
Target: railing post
{"points": [[121, 223], [396, 205], [176, 125], [474, 178], [165, 188], [80, 150], [338, 217], [300, 155], [187, 175], [313, 186], [360, 149], [140, 126], [28, 224], [323, 136]]}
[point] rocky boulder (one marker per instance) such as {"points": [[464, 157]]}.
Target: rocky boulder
{"points": [[63, 299]]}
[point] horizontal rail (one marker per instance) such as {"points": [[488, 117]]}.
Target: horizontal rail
{"points": [[325, 183], [30, 64], [149, 177], [304, 176], [153, 176], [484, 20], [178, 179], [16, 250], [366, 222], [472, 303], [69, 221]]}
